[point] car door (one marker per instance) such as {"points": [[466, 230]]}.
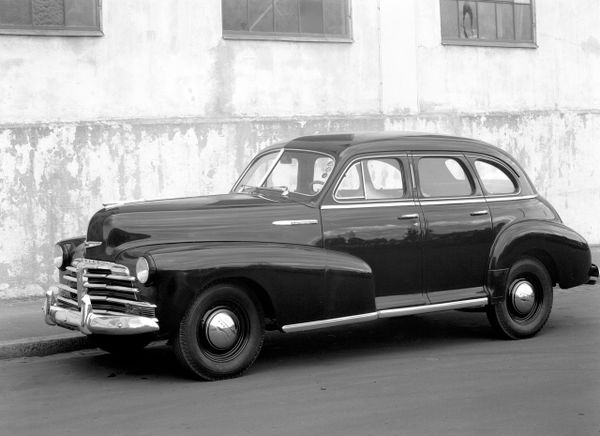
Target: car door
{"points": [[458, 227], [371, 213]]}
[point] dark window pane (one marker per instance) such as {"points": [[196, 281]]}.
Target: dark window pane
{"points": [[15, 12], [311, 16], [286, 16], [467, 19], [48, 12], [443, 177], [260, 14], [235, 14], [487, 20], [523, 23], [506, 28], [80, 13], [334, 17], [449, 13]]}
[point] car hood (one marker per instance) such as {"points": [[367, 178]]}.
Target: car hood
{"points": [[215, 218]]}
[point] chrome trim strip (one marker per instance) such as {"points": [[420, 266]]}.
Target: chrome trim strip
{"points": [[70, 278], [294, 222], [368, 205], [66, 288], [414, 310], [428, 202], [117, 277], [67, 301], [432, 202], [332, 322], [511, 198], [385, 313], [122, 301], [109, 277], [91, 244], [109, 287]]}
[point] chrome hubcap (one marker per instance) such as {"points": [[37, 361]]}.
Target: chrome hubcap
{"points": [[523, 297], [222, 329]]}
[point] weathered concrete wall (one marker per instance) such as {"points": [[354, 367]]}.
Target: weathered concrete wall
{"points": [[162, 105], [54, 176]]}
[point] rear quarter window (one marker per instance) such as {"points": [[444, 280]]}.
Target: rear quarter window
{"points": [[495, 179]]}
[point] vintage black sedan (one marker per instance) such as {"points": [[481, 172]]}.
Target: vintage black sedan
{"points": [[320, 231]]}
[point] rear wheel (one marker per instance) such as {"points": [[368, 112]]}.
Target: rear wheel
{"points": [[527, 301], [221, 333]]}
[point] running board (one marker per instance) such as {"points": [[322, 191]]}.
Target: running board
{"points": [[385, 313]]}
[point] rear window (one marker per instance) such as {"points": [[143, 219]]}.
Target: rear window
{"points": [[443, 177]]}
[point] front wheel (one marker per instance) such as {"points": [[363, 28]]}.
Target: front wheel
{"points": [[527, 301], [221, 333]]}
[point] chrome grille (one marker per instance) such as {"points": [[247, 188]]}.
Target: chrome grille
{"points": [[110, 286]]}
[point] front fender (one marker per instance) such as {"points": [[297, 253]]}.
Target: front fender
{"points": [[301, 283], [563, 251]]}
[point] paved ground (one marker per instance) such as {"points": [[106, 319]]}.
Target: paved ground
{"points": [[434, 374], [24, 318]]}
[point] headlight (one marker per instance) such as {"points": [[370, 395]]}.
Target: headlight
{"points": [[142, 270], [60, 256]]}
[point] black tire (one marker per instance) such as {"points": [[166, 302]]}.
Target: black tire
{"points": [[221, 333], [129, 345], [527, 301]]}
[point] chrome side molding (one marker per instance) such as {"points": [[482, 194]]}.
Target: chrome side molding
{"points": [[385, 313], [294, 222]]}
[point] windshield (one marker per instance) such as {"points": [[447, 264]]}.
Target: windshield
{"points": [[295, 171]]}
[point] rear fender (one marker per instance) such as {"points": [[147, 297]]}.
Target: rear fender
{"points": [[563, 252]]}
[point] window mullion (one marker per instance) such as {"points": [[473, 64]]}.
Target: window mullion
{"points": [[458, 19], [496, 19]]}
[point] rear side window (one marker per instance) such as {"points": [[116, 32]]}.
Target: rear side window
{"points": [[444, 177], [495, 179]]}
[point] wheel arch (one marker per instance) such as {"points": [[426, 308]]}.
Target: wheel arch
{"points": [[563, 252], [251, 286]]}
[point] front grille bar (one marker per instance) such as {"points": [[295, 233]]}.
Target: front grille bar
{"points": [[110, 287]]}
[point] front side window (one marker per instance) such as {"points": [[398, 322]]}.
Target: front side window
{"points": [[286, 19], [372, 179], [51, 17], [495, 180], [293, 171], [443, 177], [488, 22]]}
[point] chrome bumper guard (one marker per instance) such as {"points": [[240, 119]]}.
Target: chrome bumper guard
{"points": [[88, 322], [593, 275]]}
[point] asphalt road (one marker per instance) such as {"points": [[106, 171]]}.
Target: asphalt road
{"points": [[435, 374]]}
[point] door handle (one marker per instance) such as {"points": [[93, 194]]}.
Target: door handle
{"points": [[409, 216], [479, 212]]}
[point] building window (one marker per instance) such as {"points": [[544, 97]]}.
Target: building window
{"points": [[302, 20], [51, 17], [500, 23]]}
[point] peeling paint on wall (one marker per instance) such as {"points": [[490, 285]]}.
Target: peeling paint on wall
{"points": [[55, 176]]}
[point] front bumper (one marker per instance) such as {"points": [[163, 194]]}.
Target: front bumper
{"points": [[88, 322]]}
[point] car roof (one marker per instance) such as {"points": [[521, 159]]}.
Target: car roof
{"points": [[349, 144]]}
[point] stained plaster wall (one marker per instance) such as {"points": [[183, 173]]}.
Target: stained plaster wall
{"points": [[162, 106]]}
